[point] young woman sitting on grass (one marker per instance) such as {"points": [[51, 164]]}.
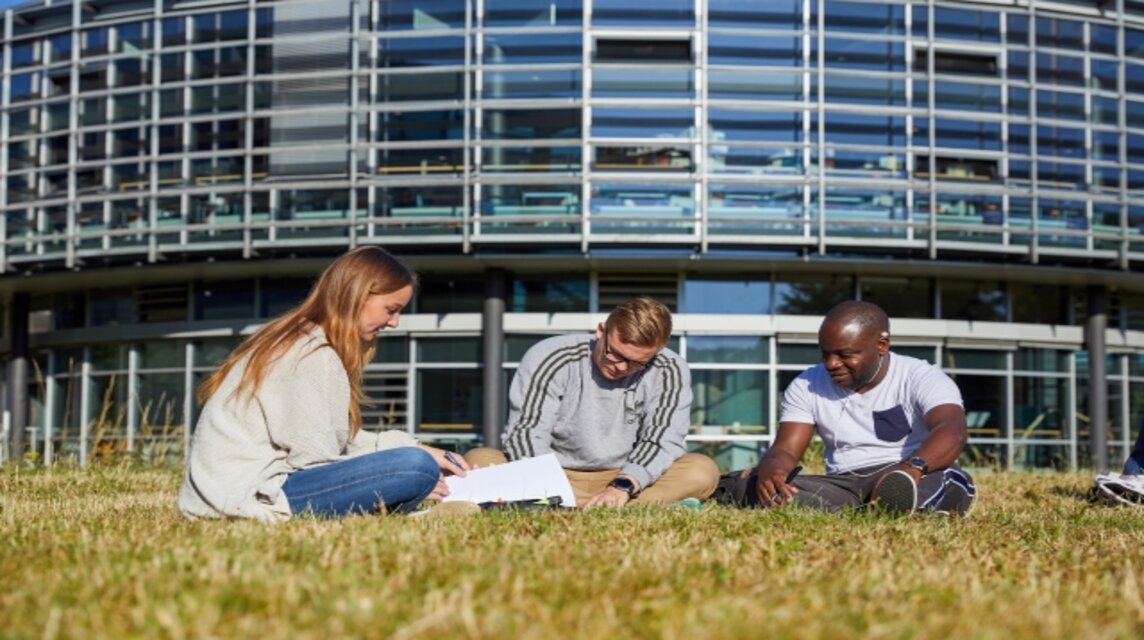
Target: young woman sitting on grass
{"points": [[280, 431]]}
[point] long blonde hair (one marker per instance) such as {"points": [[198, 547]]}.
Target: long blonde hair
{"points": [[335, 304]]}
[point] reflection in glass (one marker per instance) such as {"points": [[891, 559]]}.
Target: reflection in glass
{"points": [[900, 297], [534, 48], [730, 295], [754, 50], [736, 401], [449, 400], [973, 300], [550, 293], [540, 83], [774, 14], [646, 83], [538, 158], [518, 124], [753, 85], [664, 13], [533, 13], [728, 349], [1046, 360], [985, 405], [861, 17], [1039, 406], [811, 294]]}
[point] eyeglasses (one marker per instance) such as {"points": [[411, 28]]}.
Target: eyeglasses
{"points": [[632, 365]]}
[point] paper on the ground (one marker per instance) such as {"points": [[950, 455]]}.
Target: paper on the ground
{"points": [[527, 479]]}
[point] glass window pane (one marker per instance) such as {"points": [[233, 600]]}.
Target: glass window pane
{"points": [[533, 13], [534, 48], [665, 13], [985, 405], [161, 397], [730, 399], [224, 300], [899, 297], [162, 354], [420, 52], [733, 125], [522, 124], [1039, 303], [875, 55], [542, 83], [796, 353], [1047, 360], [404, 15], [553, 293], [958, 358], [969, 300], [731, 295], [960, 24], [754, 85], [449, 400], [811, 295], [450, 294], [392, 349], [775, 14], [647, 83], [109, 357], [921, 353], [516, 345], [448, 349], [728, 349], [863, 90], [861, 17], [111, 306], [1039, 408], [754, 50]]}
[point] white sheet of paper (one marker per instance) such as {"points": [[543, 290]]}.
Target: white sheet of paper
{"points": [[528, 479]]}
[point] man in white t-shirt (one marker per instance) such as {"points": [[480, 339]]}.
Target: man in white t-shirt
{"points": [[893, 428]]}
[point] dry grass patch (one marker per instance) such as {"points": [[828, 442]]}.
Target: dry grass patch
{"points": [[102, 553]]}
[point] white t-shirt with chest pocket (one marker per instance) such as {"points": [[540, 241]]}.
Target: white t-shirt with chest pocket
{"points": [[883, 425]]}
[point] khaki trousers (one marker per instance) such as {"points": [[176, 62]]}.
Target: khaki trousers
{"points": [[693, 475]]}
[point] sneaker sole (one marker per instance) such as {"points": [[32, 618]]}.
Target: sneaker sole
{"points": [[897, 493]]}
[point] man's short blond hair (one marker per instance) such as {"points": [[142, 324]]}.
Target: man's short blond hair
{"points": [[641, 322]]}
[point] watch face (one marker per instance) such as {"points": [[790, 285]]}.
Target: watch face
{"points": [[623, 484]]}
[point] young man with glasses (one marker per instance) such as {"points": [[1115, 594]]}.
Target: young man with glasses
{"points": [[614, 407]]}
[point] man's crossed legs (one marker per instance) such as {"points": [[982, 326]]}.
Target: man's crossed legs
{"points": [[693, 475], [950, 491]]}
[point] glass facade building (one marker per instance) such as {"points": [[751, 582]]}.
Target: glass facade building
{"points": [[175, 173]]}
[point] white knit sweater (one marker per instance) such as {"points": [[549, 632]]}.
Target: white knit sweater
{"points": [[243, 449]]}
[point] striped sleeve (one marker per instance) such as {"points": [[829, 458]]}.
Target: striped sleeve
{"points": [[666, 421], [535, 395]]}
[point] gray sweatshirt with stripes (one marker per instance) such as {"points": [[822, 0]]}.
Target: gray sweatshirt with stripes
{"points": [[560, 403]]}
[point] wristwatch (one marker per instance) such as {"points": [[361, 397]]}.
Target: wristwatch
{"points": [[919, 463], [626, 485]]}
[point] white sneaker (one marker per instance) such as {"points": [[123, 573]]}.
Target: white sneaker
{"points": [[1115, 488]]}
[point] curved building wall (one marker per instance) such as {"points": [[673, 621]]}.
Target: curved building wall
{"points": [[175, 173]]}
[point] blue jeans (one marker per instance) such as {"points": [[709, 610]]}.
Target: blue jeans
{"points": [[398, 478]]}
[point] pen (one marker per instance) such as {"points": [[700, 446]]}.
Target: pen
{"points": [[789, 479], [452, 458]]}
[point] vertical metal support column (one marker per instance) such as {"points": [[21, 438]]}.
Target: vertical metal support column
{"points": [[492, 334], [18, 376], [1097, 378]]}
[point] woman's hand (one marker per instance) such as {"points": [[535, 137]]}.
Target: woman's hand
{"points": [[450, 463]]}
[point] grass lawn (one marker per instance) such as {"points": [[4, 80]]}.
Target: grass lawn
{"points": [[102, 553]]}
